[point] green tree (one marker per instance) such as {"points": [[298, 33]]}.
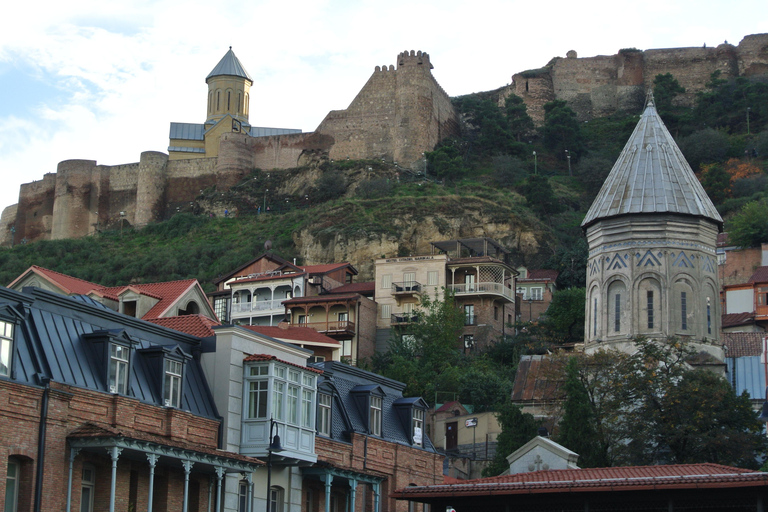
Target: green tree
{"points": [[540, 196], [749, 228], [561, 129], [576, 430], [565, 316], [446, 161], [519, 122], [716, 182], [704, 147], [517, 428], [508, 170], [665, 89], [592, 170]]}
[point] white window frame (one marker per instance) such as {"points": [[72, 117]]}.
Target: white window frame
{"points": [[386, 281], [386, 311], [374, 417], [12, 484], [88, 482], [432, 278], [174, 371], [418, 423], [536, 293], [6, 347], [119, 367], [324, 410], [276, 499], [275, 390]]}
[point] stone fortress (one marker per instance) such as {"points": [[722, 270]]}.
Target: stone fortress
{"points": [[399, 113]]}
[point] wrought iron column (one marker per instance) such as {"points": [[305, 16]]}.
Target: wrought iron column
{"points": [[152, 459], [114, 452], [187, 470], [219, 475], [72, 454]]}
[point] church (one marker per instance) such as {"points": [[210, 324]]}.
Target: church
{"points": [[652, 233]]}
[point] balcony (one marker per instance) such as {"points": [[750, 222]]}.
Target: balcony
{"points": [[404, 318], [483, 289], [333, 327], [408, 288], [262, 306]]}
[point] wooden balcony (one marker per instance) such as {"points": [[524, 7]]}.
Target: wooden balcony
{"points": [[332, 327]]}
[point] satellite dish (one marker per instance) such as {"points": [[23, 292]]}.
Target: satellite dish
{"points": [[268, 245]]}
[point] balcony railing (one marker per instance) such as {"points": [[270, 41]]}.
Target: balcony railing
{"points": [[257, 306], [330, 327], [483, 288], [406, 288], [404, 318]]}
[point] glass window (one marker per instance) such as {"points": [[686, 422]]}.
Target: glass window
{"points": [[118, 369], [309, 503], [308, 380], [346, 348], [432, 278], [220, 307], [276, 499], [242, 496], [257, 399], [409, 278], [374, 419], [293, 376], [278, 393], [650, 309], [12, 486], [469, 314], [6, 347], [324, 414], [617, 313], [683, 311], [172, 383], [87, 486], [306, 408], [418, 427], [386, 311], [469, 341], [386, 281], [293, 405], [537, 293], [709, 317]]}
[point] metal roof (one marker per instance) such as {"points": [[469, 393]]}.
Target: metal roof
{"points": [[263, 131], [651, 176], [187, 131], [229, 65]]}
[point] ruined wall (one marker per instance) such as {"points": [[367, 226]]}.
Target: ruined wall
{"points": [[601, 85], [399, 114]]}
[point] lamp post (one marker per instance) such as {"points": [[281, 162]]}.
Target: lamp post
{"points": [[530, 309], [535, 164], [748, 109], [274, 446], [122, 217], [265, 200], [568, 156]]}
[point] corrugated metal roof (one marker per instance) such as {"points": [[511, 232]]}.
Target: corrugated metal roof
{"points": [[229, 65], [261, 131], [187, 131], [747, 374], [651, 176]]}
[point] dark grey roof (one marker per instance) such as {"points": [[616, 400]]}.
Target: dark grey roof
{"points": [[187, 131], [53, 338], [229, 65], [261, 131], [651, 176], [347, 415]]}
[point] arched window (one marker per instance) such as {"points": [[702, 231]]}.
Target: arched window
{"points": [[617, 293], [247, 103], [648, 308], [218, 100], [276, 498], [229, 100], [593, 318], [683, 297], [12, 486]]}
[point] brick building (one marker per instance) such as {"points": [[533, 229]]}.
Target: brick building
{"points": [[103, 411], [534, 289]]}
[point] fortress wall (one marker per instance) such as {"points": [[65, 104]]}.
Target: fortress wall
{"points": [[691, 67], [535, 91], [7, 220], [72, 216], [34, 211], [184, 179], [753, 55], [588, 85], [123, 180], [364, 129]]}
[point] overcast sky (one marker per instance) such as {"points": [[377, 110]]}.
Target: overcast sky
{"points": [[102, 80]]}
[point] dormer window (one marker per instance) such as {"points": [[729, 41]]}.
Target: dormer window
{"points": [[374, 420], [6, 347], [417, 424], [119, 360], [172, 387]]}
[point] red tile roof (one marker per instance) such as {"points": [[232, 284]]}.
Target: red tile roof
{"points": [[167, 293], [759, 276], [532, 380], [293, 333], [71, 285], [680, 476], [743, 344], [734, 319], [195, 325], [361, 288], [324, 269], [91, 430], [266, 357], [264, 278], [543, 274], [331, 297]]}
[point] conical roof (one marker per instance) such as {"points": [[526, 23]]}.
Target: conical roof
{"points": [[229, 65], [651, 176]]}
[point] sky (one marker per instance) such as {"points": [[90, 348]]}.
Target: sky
{"points": [[96, 80]]}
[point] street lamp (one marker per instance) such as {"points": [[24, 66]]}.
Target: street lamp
{"points": [[748, 109], [568, 156], [530, 309], [265, 200], [535, 164], [274, 446]]}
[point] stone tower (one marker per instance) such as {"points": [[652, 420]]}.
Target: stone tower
{"points": [[229, 88], [651, 232]]}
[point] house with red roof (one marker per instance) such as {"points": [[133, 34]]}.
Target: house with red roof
{"points": [[641, 488], [324, 348], [746, 304], [268, 290], [534, 289], [144, 300]]}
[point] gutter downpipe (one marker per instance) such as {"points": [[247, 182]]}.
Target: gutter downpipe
{"points": [[46, 381]]}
